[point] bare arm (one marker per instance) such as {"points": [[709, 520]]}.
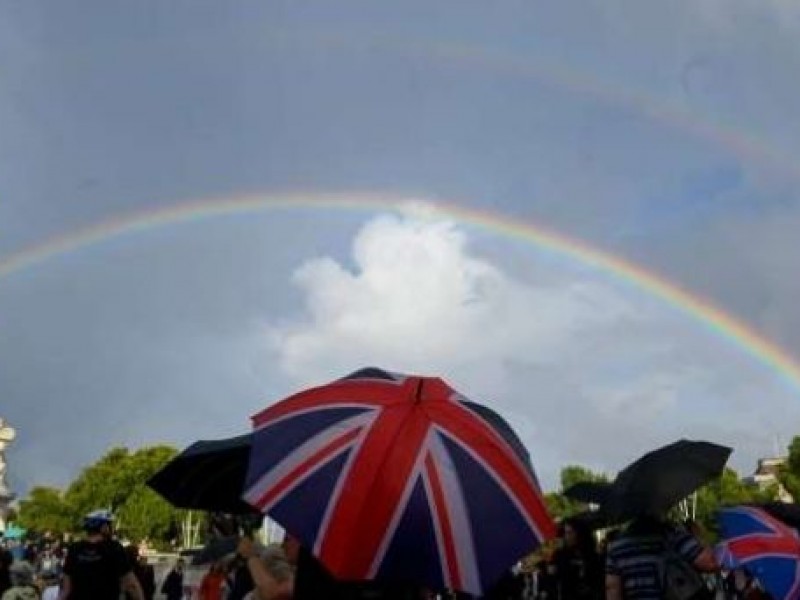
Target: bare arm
{"points": [[131, 585], [66, 588], [706, 562], [613, 587], [267, 585]]}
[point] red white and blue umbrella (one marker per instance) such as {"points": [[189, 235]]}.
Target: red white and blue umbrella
{"points": [[398, 478], [766, 546]]}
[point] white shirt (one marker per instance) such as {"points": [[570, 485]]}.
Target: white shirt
{"points": [[50, 593]]}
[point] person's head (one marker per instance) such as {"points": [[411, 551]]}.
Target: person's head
{"points": [[99, 523], [568, 534], [180, 564], [577, 534], [21, 573]]}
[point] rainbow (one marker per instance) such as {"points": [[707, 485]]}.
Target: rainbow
{"points": [[711, 317], [744, 145]]}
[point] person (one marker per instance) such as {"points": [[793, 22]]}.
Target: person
{"points": [[144, 572], [172, 587], [636, 559], [51, 586], [22, 584], [213, 582], [741, 585], [238, 582], [6, 558], [273, 575], [578, 570], [546, 580], [96, 568]]}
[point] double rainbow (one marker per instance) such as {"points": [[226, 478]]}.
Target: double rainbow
{"points": [[702, 311]]}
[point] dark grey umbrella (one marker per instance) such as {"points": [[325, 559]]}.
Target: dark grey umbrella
{"points": [[209, 475], [661, 478]]}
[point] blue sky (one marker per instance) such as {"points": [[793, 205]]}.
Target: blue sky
{"points": [[603, 120]]}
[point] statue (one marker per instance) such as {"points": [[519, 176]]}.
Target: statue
{"points": [[7, 435]]}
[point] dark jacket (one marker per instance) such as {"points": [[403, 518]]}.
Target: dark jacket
{"points": [[172, 587]]}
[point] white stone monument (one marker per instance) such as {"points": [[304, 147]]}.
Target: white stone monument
{"points": [[7, 435]]}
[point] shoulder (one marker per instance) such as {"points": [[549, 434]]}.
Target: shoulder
{"points": [[113, 547], [635, 544], [685, 544]]}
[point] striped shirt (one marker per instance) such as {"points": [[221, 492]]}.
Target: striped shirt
{"points": [[639, 561]]}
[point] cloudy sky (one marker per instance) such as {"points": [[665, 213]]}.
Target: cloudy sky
{"points": [[665, 134]]}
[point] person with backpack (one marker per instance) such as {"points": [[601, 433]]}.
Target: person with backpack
{"points": [[655, 560], [97, 568]]}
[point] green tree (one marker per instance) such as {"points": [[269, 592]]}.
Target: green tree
{"points": [[790, 474], [559, 505], [726, 490], [572, 474], [118, 482], [45, 510], [100, 485], [143, 513]]}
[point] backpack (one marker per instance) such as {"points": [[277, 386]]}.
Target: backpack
{"points": [[681, 581]]}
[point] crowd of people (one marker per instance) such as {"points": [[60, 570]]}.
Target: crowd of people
{"points": [[640, 562]]}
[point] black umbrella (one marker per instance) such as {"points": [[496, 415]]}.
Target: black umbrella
{"points": [[663, 477], [589, 492], [216, 550], [208, 475]]}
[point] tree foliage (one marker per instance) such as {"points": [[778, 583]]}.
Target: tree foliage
{"points": [[727, 490], [117, 482], [45, 510], [559, 505], [790, 474]]}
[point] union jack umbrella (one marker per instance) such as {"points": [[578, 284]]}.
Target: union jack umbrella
{"points": [[398, 478], [767, 547]]}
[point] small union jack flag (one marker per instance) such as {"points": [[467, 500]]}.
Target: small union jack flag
{"points": [[395, 477], [768, 548]]}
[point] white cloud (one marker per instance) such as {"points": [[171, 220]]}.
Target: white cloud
{"points": [[417, 299]]}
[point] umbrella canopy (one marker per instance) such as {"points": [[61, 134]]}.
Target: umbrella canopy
{"points": [[398, 478], [661, 478], [767, 547], [208, 475], [786, 512], [589, 492]]}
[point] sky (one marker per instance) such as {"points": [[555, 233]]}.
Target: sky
{"points": [[664, 134]]}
